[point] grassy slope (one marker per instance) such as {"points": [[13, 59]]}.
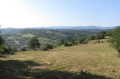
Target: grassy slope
{"points": [[95, 58]]}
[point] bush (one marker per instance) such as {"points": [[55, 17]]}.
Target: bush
{"points": [[81, 39], [90, 37], [67, 44], [73, 42], [44, 49], [61, 42], [109, 33], [4, 50], [100, 36], [7, 50], [13, 49], [23, 49], [47, 47]]}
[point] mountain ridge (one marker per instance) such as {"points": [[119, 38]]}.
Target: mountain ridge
{"points": [[65, 27]]}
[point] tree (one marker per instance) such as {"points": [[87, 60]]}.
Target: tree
{"points": [[34, 43], [61, 42], [1, 41], [115, 39]]}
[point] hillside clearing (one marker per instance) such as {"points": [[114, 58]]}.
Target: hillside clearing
{"points": [[98, 59]]}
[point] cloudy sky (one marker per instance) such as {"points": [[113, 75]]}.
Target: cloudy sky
{"points": [[43, 13]]}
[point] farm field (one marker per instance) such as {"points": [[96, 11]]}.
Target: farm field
{"points": [[85, 61]]}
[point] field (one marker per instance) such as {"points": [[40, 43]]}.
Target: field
{"points": [[86, 61]]}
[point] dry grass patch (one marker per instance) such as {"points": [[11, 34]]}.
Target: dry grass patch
{"points": [[96, 58]]}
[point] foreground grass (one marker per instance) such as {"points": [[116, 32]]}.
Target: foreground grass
{"points": [[88, 61]]}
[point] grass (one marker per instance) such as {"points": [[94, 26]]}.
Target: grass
{"points": [[86, 61]]}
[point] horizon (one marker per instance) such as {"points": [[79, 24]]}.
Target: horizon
{"points": [[47, 13], [57, 27]]}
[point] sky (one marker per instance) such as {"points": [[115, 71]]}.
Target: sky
{"points": [[44, 13]]}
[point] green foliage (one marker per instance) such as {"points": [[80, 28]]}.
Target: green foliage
{"points": [[103, 32], [13, 49], [74, 34], [1, 41], [81, 40], [109, 33], [115, 38], [7, 50], [23, 49], [100, 36], [91, 37], [47, 47], [34, 43], [73, 42], [61, 42], [4, 50], [68, 44]]}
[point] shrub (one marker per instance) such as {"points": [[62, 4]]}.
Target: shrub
{"points": [[67, 44], [81, 40], [61, 42], [90, 37], [6, 50], [47, 47], [100, 36], [23, 49], [13, 50]]}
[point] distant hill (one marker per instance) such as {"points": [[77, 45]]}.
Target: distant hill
{"points": [[52, 34], [77, 27], [20, 37], [17, 30], [10, 30], [92, 27]]}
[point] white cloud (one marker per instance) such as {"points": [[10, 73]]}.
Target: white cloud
{"points": [[14, 13]]}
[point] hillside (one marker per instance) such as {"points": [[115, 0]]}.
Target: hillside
{"points": [[86, 61], [20, 37]]}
